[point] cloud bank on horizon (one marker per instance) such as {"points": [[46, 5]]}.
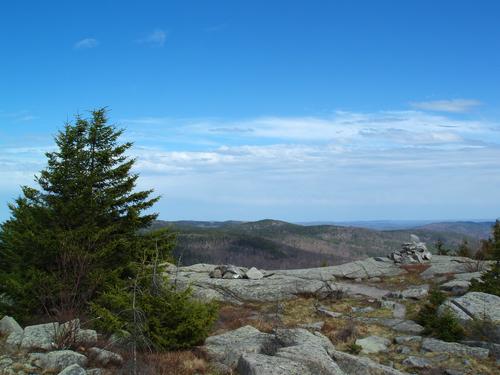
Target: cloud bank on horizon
{"points": [[398, 164]]}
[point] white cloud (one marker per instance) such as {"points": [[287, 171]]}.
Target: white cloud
{"points": [[156, 38], [362, 130], [21, 116], [392, 164], [86, 43], [452, 106]]}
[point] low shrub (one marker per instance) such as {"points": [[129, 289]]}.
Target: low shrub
{"points": [[483, 330], [354, 348], [490, 281], [165, 319], [444, 326]]}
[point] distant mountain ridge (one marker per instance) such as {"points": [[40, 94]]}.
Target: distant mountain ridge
{"points": [[480, 230], [375, 224], [279, 244]]}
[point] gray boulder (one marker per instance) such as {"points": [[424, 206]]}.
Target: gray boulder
{"points": [[287, 351], [9, 325], [61, 359], [37, 359], [254, 274], [373, 344], [105, 357], [314, 358], [493, 347], [474, 305], [407, 339], [73, 370], [228, 347], [13, 341], [260, 364], [5, 362], [40, 337], [300, 336], [417, 362], [86, 337], [352, 364], [403, 349], [398, 309], [415, 292], [456, 287], [444, 265], [453, 348], [227, 272], [216, 273], [452, 371]]}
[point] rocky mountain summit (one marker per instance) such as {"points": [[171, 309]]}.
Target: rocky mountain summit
{"points": [[355, 278], [354, 318]]}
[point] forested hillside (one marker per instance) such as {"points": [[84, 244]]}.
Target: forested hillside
{"points": [[277, 244]]}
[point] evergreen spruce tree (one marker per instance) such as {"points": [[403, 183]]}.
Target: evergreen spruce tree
{"points": [[464, 249], [440, 249], [75, 235], [490, 281], [496, 241], [78, 245]]}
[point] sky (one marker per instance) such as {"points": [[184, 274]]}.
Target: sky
{"points": [[244, 110]]}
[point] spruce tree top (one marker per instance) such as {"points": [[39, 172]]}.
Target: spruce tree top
{"points": [[78, 233], [88, 180]]}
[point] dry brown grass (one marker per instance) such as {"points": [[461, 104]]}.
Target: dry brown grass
{"points": [[341, 331], [379, 313], [299, 311], [174, 363], [402, 281], [233, 317]]}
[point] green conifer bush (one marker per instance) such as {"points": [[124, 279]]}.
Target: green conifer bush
{"points": [[77, 243]]}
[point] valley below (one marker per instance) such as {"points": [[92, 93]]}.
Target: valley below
{"points": [[274, 244]]}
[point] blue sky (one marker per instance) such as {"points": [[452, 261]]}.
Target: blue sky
{"points": [[295, 110]]}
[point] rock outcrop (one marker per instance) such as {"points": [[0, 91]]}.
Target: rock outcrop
{"points": [[433, 345], [9, 325], [285, 352], [411, 252], [373, 344], [43, 348], [288, 351], [474, 305], [361, 306], [241, 285], [233, 272], [208, 283]]}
